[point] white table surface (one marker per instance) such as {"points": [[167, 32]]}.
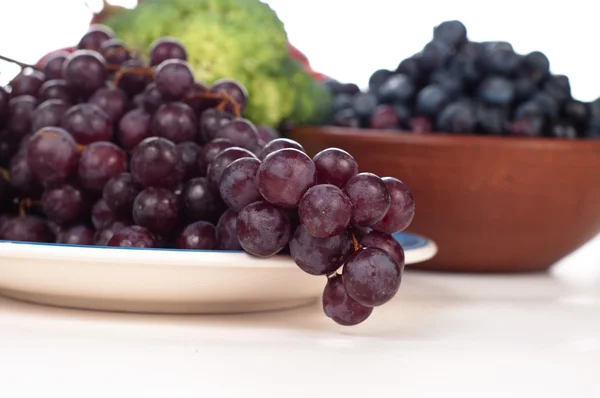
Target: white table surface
{"points": [[442, 336]]}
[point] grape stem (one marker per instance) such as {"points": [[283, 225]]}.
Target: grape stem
{"points": [[134, 70], [25, 204], [5, 174], [21, 64], [357, 245], [225, 99]]}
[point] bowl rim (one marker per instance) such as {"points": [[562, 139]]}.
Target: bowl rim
{"points": [[450, 139]]}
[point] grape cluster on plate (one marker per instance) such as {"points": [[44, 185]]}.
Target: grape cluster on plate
{"points": [[103, 148], [454, 85]]}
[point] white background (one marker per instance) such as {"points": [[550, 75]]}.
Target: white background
{"points": [[350, 39]]}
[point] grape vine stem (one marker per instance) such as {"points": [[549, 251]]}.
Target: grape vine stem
{"points": [[21, 64]]}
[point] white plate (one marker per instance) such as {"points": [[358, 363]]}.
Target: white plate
{"points": [[164, 281]]}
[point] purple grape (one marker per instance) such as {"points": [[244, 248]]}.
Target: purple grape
{"points": [[49, 114], [134, 236], [199, 202], [151, 98], [221, 161], [174, 78], [402, 208], [85, 72], [200, 235], [88, 123], [9, 145], [4, 106], [134, 127], [27, 82], [267, 134], [113, 101], [157, 162], [21, 176], [26, 229], [55, 89], [21, 110], [320, 256], [157, 209], [190, 156], [370, 199], [95, 37], [263, 230], [104, 235], [325, 210], [76, 235], [166, 48], [277, 144], [101, 161], [132, 78], [102, 215], [284, 177], [335, 166], [120, 192], [52, 155], [65, 204], [174, 121], [233, 89], [53, 69], [238, 186], [210, 151], [115, 52], [226, 231], [386, 243], [371, 277], [211, 121], [241, 132], [338, 306]]}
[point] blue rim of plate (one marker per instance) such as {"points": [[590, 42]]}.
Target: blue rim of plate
{"points": [[409, 241]]}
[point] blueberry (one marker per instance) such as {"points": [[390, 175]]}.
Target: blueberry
{"points": [[594, 107], [457, 117], [451, 82], [431, 100], [525, 88], [435, 55], [351, 88], [403, 112], [410, 68], [576, 112], [548, 104], [466, 63], [346, 118], [559, 88], [563, 130], [593, 129], [491, 120], [529, 109], [527, 127], [502, 61], [378, 78], [453, 33], [397, 88], [364, 104], [496, 90], [497, 45], [536, 65], [341, 101], [334, 87]]}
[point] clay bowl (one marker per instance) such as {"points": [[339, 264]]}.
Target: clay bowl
{"points": [[492, 204]]}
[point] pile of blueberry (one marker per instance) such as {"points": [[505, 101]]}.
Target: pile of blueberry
{"points": [[455, 85]]}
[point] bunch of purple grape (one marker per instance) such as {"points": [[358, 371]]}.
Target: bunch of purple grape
{"points": [[103, 148]]}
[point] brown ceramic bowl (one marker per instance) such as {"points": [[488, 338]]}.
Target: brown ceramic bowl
{"points": [[492, 204]]}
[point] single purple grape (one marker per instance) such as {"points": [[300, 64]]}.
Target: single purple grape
{"points": [[134, 127], [370, 199], [120, 192], [338, 306], [284, 177], [384, 242], [235, 90], [210, 151], [85, 71], [49, 114], [335, 166], [320, 256], [101, 161], [22, 179], [96, 36], [52, 155], [221, 161], [263, 230], [157, 162], [27, 82], [227, 238], [115, 52], [325, 210], [241, 132], [157, 209], [402, 208], [199, 202], [88, 123], [134, 236], [277, 144], [55, 89], [151, 98], [166, 48], [211, 121], [53, 69], [190, 156], [174, 78], [371, 276], [65, 204], [200, 235], [21, 110], [174, 121], [113, 101], [26, 229], [104, 235], [238, 186], [76, 235]]}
